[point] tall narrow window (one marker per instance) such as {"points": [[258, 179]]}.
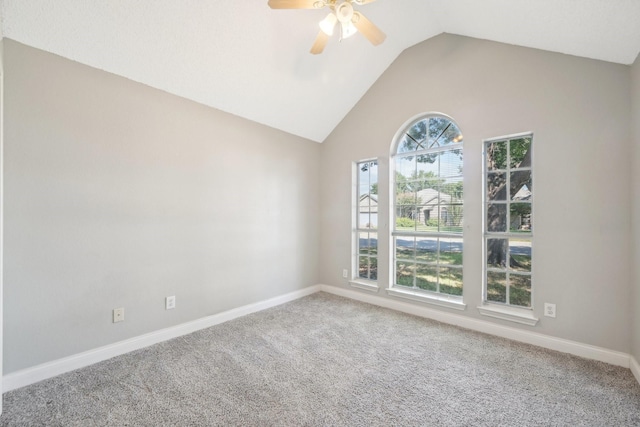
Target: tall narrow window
{"points": [[508, 228], [366, 229], [428, 206]]}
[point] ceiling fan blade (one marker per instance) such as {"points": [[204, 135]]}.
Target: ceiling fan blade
{"points": [[320, 43], [295, 4], [366, 27]]}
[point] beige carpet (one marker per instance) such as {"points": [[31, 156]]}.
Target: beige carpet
{"points": [[329, 361]]}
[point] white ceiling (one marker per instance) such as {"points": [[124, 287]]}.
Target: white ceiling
{"points": [[242, 57]]}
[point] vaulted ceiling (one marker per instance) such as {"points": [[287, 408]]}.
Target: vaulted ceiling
{"points": [[242, 57]]}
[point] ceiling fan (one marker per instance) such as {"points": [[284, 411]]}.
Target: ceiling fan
{"points": [[342, 12]]}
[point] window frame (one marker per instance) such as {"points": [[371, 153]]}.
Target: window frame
{"points": [[431, 297], [506, 310], [357, 228]]}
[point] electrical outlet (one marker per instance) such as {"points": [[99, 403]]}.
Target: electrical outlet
{"points": [[345, 273], [549, 309], [170, 302], [118, 315]]}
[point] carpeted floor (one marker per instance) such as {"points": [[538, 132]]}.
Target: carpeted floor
{"points": [[329, 361]]}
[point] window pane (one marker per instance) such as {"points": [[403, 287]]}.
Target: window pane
{"points": [[373, 171], [407, 198], [451, 163], [405, 168], [418, 133], [405, 248], [406, 211], [373, 213], [451, 218], [496, 287], [497, 253], [428, 165], [497, 218], [363, 189], [403, 223], [451, 135], [453, 188], [363, 175], [404, 273], [373, 268], [451, 281], [431, 223], [427, 249], [424, 180], [520, 290], [497, 186], [518, 150], [364, 243], [364, 215], [373, 243], [406, 145], [497, 155], [520, 217], [443, 131], [427, 277], [520, 251], [363, 267], [521, 185], [451, 251], [368, 212]]}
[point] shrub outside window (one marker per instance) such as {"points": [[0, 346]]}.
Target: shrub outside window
{"points": [[428, 207]]}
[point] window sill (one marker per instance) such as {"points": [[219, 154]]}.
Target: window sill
{"points": [[512, 314], [442, 301], [367, 286]]}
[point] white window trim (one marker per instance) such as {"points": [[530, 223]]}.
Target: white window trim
{"points": [[355, 280], [366, 285], [442, 300], [523, 315], [513, 314]]}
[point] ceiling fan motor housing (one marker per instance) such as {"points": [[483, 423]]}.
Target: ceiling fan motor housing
{"points": [[344, 11]]}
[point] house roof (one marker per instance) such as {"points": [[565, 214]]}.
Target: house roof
{"points": [[429, 196], [247, 59]]}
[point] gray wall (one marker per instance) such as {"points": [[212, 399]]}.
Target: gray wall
{"points": [[635, 122], [579, 111], [118, 195]]}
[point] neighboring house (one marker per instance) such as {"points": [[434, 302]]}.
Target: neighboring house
{"points": [[433, 204], [521, 221], [368, 211]]}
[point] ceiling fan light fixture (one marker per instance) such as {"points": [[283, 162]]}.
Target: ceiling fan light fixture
{"points": [[342, 11], [328, 23], [348, 29]]}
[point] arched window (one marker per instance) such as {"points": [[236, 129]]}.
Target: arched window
{"points": [[428, 204]]}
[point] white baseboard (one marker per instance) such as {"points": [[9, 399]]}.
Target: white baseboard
{"points": [[635, 368], [51, 369], [47, 370], [540, 340]]}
